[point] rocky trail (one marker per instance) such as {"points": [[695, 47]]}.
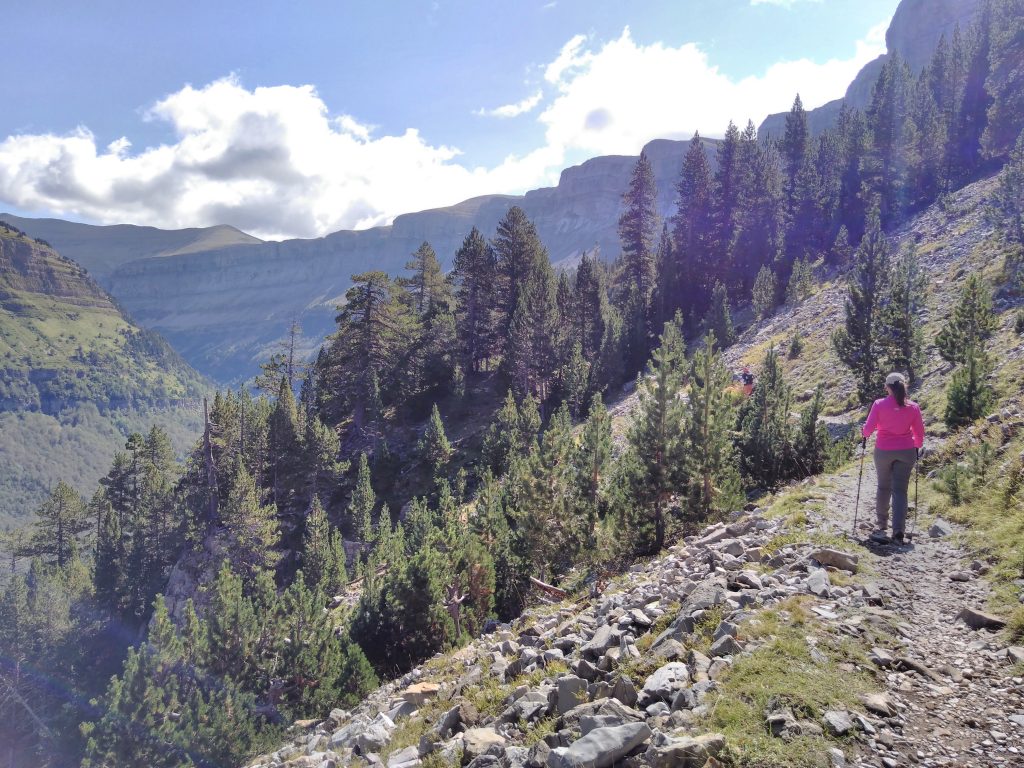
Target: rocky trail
{"points": [[636, 676], [947, 674]]}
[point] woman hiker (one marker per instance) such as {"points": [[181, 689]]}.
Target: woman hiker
{"points": [[900, 435]]}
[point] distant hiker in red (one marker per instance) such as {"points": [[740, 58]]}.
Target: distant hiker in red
{"points": [[748, 381], [900, 436]]}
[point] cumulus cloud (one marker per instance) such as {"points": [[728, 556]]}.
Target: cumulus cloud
{"points": [[275, 162], [271, 161], [614, 97], [513, 110]]}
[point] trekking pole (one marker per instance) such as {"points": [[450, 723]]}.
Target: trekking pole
{"points": [[860, 477], [917, 474]]}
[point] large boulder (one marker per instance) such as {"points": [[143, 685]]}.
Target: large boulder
{"points": [[601, 747]]}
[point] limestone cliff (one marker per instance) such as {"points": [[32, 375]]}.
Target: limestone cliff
{"points": [[915, 30]]}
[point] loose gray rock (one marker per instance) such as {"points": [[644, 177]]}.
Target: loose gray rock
{"points": [[726, 645], [818, 583], [624, 691], [601, 747], [976, 619], [572, 691], [476, 741], [834, 558], [939, 529], [685, 753], [664, 682], [838, 722]]}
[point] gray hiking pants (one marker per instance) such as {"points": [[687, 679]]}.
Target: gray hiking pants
{"points": [[893, 468]]}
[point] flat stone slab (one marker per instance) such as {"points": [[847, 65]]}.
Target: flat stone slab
{"points": [[834, 558], [601, 747], [976, 619]]}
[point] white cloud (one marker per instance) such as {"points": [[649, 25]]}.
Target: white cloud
{"points": [[270, 161], [513, 110], [273, 161], [614, 97]]}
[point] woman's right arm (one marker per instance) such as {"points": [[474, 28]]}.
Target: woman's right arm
{"points": [[872, 422]]}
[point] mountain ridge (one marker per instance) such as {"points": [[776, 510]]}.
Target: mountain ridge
{"points": [[193, 298]]}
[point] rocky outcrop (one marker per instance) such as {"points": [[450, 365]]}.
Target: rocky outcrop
{"points": [[223, 307], [914, 32]]}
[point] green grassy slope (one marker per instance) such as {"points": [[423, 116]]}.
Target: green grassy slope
{"points": [[63, 341], [76, 376]]}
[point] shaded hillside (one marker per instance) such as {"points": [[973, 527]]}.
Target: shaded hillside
{"points": [[63, 341], [224, 308], [76, 376], [102, 249]]}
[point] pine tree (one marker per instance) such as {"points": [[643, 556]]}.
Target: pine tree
{"points": [[359, 513], [474, 275], [60, 519], [285, 363], [719, 320], [728, 190], [971, 323], [1006, 207], [762, 227], [512, 433], [764, 292], [841, 253], [794, 146], [540, 486], [859, 343], [653, 465], [323, 558], [434, 446], [972, 114], [969, 394], [374, 331], [1005, 82], [575, 378], [853, 139], [638, 232], [519, 254], [320, 449], [905, 299], [590, 307], [593, 457], [252, 530], [403, 619], [711, 467], [812, 439], [284, 447], [889, 118], [427, 289], [801, 282], [765, 444], [692, 232]]}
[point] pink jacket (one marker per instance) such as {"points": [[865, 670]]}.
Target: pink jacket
{"points": [[898, 427]]}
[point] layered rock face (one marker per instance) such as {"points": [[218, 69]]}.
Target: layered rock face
{"points": [[224, 308], [914, 32], [102, 249]]}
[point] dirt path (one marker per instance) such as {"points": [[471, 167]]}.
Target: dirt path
{"points": [[970, 712]]}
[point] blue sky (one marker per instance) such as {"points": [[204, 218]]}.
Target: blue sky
{"points": [[295, 118]]}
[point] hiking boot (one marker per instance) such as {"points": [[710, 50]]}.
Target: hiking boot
{"points": [[879, 536], [897, 539]]}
